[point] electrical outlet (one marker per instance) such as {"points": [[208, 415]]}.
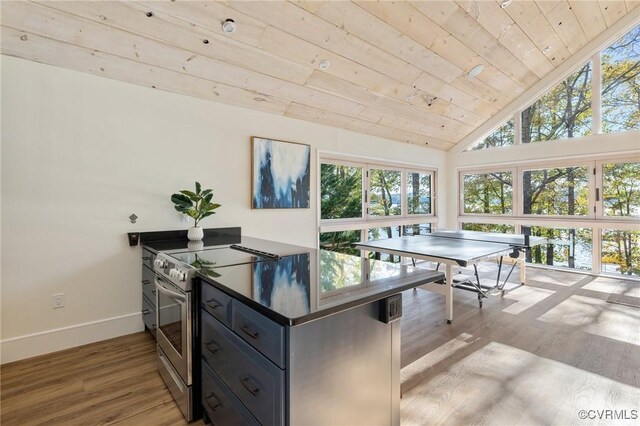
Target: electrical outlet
{"points": [[58, 300]]}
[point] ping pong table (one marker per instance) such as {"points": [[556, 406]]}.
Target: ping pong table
{"points": [[460, 248]]}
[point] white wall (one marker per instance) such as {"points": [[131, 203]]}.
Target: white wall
{"points": [[627, 143], [80, 153]]}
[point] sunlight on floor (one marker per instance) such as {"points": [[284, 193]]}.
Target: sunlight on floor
{"points": [[610, 285], [498, 384], [565, 279], [525, 297], [596, 316]]}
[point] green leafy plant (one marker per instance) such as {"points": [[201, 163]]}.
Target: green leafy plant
{"points": [[196, 205], [205, 266]]}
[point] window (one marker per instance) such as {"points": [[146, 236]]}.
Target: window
{"points": [[385, 192], [621, 189], [621, 84], [557, 191], [621, 252], [417, 229], [563, 112], [383, 233], [418, 193], [340, 191], [488, 193], [489, 227], [340, 242], [566, 247], [503, 136]]}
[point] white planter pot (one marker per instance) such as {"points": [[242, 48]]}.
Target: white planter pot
{"points": [[195, 233], [195, 245]]}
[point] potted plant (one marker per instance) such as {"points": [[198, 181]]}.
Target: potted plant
{"points": [[196, 205]]}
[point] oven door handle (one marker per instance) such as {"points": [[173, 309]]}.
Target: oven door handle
{"points": [[165, 290]]}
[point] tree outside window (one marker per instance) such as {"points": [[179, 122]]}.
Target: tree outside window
{"points": [[503, 136], [488, 193], [621, 189], [563, 112], [621, 84]]}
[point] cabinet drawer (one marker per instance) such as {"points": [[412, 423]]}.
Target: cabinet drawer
{"points": [[217, 303], [148, 284], [257, 383], [260, 332], [149, 315], [220, 404], [148, 258]]}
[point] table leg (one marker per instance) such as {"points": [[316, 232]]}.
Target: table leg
{"points": [[448, 295], [523, 261]]}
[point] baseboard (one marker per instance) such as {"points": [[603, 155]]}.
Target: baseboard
{"points": [[30, 345]]}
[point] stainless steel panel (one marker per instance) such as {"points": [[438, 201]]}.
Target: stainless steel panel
{"points": [[344, 370], [176, 348], [260, 332], [182, 393]]}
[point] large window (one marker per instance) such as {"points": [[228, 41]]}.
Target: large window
{"points": [[362, 200], [385, 192], [621, 189], [418, 193], [488, 193], [490, 227], [564, 112], [621, 84], [567, 109], [557, 191], [568, 247], [502, 136], [621, 252]]}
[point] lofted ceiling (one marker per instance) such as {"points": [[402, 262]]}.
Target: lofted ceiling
{"points": [[397, 70]]}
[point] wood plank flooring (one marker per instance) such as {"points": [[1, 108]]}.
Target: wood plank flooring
{"points": [[536, 356]]}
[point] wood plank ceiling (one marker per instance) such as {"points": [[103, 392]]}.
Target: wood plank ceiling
{"points": [[398, 70]]}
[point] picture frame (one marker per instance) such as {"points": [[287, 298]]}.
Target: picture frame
{"points": [[280, 174]]}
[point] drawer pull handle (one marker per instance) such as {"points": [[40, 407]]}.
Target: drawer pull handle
{"points": [[252, 389], [215, 406], [209, 345], [145, 282], [146, 258], [248, 332], [145, 312], [153, 291], [215, 305]]}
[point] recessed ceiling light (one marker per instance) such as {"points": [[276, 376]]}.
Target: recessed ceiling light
{"points": [[505, 3], [324, 64], [475, 71], [229, 26], [546, 49]]}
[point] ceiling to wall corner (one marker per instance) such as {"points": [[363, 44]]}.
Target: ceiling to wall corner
{"points": [[424, 72]]}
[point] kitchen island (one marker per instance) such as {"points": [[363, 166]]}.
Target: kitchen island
{"points": [[282, 334], [310, 338]]}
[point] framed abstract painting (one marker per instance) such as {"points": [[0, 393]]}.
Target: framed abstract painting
{"points": [[280, 174]]}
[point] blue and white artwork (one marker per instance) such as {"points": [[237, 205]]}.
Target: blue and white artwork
{"points": [[281, 174]]}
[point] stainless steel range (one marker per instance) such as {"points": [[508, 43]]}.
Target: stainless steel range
{"points": [[176, 318], [175, 332]]}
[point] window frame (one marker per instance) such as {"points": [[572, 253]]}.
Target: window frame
{"points": [[368, 221], [486, 170], [598, 177]]}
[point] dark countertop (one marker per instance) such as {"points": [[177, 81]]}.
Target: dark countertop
{"points": [[302, 285], [314, 284]]}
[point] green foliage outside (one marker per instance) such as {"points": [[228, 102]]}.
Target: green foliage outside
{"points": [[621, 84], [340, 191], [418, 193], [621, 189], [503, 136], [489, 227], [385, 189], [558, 191], [565, 247], [488, 193], [621, 252]]}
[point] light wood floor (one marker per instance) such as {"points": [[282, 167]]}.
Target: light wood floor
{"points": [[536, 356]]}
